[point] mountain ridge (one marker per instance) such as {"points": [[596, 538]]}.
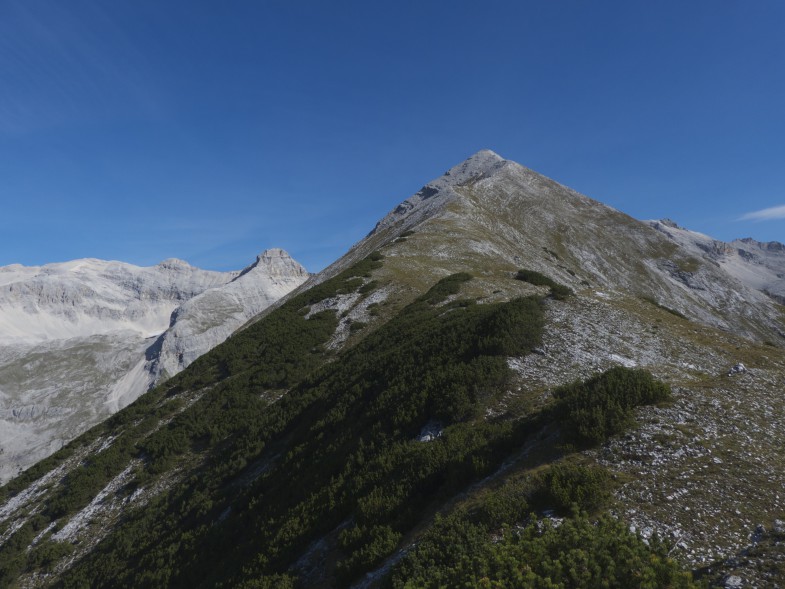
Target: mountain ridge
{"points": [[756, 263], [294, 452], [662, 277]]}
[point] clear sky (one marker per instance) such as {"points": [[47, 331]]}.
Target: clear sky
{"points": [[210, 131]]}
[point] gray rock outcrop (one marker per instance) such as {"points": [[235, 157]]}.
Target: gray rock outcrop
{"points": [[80, 340], [206, 320]]}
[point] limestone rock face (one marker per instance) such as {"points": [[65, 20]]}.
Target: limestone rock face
{"points": [[206, 320], [80, 340], [88, 297], [758, 265]]}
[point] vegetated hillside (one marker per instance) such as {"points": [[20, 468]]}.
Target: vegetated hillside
{"points": [[337, 466], [82, 339], [473, 395]]}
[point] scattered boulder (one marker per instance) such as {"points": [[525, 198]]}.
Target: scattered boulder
{"points": [[758, 534], [732, 581], [779, 526], [430, 432], [737, 369], [670, 223]]}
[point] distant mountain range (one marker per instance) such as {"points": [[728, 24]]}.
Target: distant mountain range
{"points": [[505, 383], [80, 340]]}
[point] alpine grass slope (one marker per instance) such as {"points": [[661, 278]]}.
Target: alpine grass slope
{"points": [[505, 384]]}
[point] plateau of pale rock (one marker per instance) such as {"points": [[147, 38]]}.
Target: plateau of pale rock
{"points": [[81, 339], [756, 264]]}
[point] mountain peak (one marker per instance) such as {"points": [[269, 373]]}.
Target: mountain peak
{"points": [[174, 264], [276, 263], [487, 153], [676, 306], [269, 255], [772, 246], [437, 192], [485, 156], [481, 163]]}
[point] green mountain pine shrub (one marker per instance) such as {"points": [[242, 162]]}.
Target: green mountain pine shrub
{"points": [[593, 410], [558, 291]]}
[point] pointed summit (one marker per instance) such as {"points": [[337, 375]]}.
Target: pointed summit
{"points": [[174, 264], [276, 263], [482, 163], [440, 191], [206, 320], [487, 153]]}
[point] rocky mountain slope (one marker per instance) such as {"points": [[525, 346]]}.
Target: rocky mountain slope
{"points": [[79, 340], [207, 319], [430, 407], [752, 262]]}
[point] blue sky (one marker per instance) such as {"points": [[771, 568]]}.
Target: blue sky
{"points": [[210, 131]]}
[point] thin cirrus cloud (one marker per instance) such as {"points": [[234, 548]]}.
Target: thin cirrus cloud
{"points": [[765, 214], [57, 67]]}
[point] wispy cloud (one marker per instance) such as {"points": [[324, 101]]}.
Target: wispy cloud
{"points": [[765, 214], [59, 65]]}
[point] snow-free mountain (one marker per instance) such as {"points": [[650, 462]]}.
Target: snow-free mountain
{"points": [[80, 340], [754, 263], [412, 416]]}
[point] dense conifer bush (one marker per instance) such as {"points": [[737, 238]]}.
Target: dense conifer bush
{"points": [[494, 539], [566, 486], [558, 291], [595, 409], [577, 554]]}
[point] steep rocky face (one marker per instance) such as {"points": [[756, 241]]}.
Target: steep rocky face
{"points": [[88, 297], [758, 265], [207, 319], [79, 340]]}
